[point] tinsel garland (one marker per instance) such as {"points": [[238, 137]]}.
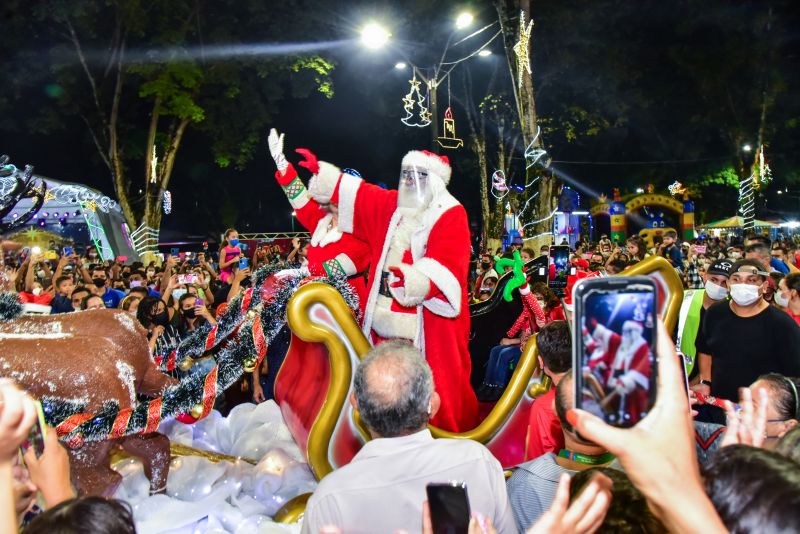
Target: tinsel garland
{"points": [[10, 306], [195, 393]]}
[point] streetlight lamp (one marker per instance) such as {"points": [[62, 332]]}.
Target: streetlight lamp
{"points": [[463, 20], [746, 147], [294, 214], [374, 36], [485, 52], [400, 65]]}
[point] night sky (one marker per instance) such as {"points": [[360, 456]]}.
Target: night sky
{"points": [[610, 57]]}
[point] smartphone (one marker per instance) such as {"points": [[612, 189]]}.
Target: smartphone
{"points": [[614, 336], [36, 436], [189, 278], [449, 507], [36, 250], [67, 251], [174, 251], [243, 263], [700, 249], [559, 269], [199, 302]]}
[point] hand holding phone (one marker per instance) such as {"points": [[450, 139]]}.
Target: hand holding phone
{"points": [[449, 507], [613, 359], [243, 263], [188, 278], [37, 434]]}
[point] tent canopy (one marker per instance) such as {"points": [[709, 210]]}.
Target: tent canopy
{"points": [[736, 222]]}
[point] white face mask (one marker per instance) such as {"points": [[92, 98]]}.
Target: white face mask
{"points": [[178, 292], [715, 291], [744, 294], [37, 291], [541, 303], [735, 255], [780, 300]]}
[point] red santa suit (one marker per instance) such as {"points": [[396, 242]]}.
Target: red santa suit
{"points": [[331, 251], [624, 367], [431, 248]]}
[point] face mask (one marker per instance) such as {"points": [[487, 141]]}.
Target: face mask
{"points": [[744, 294], [160, 319], [40, 273], [37, 291], [178, 293], [136, 283], [541, 303], [99, 282], [780, 300], [414, 190], [150, 273], [715, 291], [735, 255], [485, 265], [234, 242], [189, 314], [207, 279], [92, 254]]}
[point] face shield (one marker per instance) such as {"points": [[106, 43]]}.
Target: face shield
{"points": [[414, 190]]}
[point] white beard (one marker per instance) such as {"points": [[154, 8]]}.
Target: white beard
{"points": [[627, 348]]}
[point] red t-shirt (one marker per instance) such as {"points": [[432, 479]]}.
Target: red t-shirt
{"points": [[544, 428], [793, 316], [41, 298]]}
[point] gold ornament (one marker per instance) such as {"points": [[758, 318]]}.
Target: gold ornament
{"points": [[48, 196], [521, 48], [249, 364], [186, 364], [90, 205], [197, 411]]}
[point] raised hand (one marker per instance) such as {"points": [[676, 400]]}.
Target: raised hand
{"points": [[275, 143], [748, 426], [584, 515]]}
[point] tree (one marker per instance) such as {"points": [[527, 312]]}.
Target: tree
{"points": [[138, 75], [537, 223]]}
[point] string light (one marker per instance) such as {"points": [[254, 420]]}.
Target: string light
{"points": [[153, 165], [676, 188], [747, 203], [521, 48], [167, 202], [499, 184]]}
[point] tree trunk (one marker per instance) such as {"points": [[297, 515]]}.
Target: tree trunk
{"points": [[537, 223]]}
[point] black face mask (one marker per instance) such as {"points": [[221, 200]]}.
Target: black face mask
{"points": [[485, 265], [99, 282], [189, 314], [160, 319], [595, 266]]}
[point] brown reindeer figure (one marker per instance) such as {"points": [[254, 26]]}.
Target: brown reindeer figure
{"points": [[93, 357]]}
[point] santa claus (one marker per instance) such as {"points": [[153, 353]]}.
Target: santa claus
{"points": [[419, 239], [622, 363], [331, 251]]}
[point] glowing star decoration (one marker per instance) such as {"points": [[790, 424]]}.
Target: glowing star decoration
{"points": [[153, 166], [167, 202], [449, 139], [521, 49], [90, 205], [676, 188], [499, 186], [48, 196], [413, 99]]}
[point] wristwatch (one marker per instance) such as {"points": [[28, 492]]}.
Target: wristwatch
{"points": [[705, 382]]}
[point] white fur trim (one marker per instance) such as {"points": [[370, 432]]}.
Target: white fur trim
{"points": [[525, 290], [348, 188], [300, 200], [638, 378], [322, 184], [447, 283], [390, 324], [323, 235], [431, 162], [415, 286], [369, 309], [347, 264]]}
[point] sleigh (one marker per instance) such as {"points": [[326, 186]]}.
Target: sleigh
{"points": [[315, 380]]}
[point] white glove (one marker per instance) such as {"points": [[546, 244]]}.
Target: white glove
{"points": [[275, 142], [407, 285], [625, 384]]}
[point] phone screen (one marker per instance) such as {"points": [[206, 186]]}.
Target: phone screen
{"points": [[559, 269], [615, 337], [187, 278], [36, 435], [243, 263], [700, 249], [449, 507]]}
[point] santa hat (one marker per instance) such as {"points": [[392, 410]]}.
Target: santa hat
{"points": [[572, 281], [635, 325], [438, 165], [582, 263]]}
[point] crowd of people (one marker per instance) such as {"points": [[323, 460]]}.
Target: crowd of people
{"points": [[731, 465]]}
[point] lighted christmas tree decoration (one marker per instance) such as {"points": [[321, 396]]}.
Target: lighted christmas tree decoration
{"points": [[676, 188], [167, 202], [762, 173], [449, 139], [521, 49], [153, 166], [414, 99]]}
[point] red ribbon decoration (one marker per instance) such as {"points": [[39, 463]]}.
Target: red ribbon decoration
{"points": [[209, 392], [153, 416], [121, 423], [72, 422], [212, 337], [258, 340]]}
